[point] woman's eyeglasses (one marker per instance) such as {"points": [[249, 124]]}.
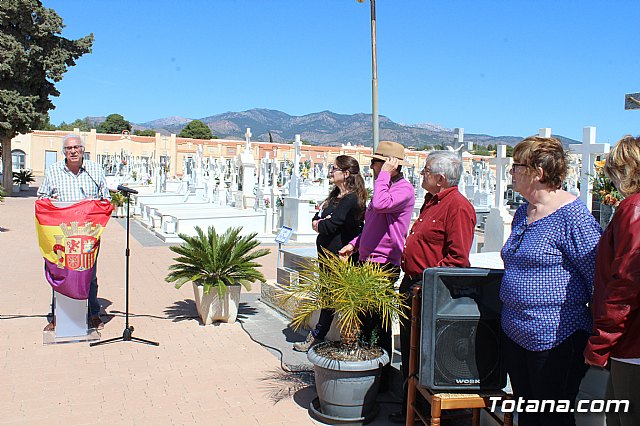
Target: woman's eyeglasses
{"points": [[515, 165], [333, 169]]}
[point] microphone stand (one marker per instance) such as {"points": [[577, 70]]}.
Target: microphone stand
{"points": [[127, 335]]}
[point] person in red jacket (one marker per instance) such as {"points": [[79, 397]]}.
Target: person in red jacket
{"points": [[616, 300]]}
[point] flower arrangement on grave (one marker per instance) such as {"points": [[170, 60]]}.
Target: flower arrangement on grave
{"points": [[267, 202], [279, 202], [117, 199], [603, 188]]}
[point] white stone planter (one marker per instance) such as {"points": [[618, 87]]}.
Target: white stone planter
{"points": [[211, 308], [24, 187]]}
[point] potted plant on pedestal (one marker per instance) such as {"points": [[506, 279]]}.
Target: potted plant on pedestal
{"points": [[217, 265], [23, 178], [347, 373]]}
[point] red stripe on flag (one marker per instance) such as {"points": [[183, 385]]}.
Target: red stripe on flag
{"points": [[94, 211]]}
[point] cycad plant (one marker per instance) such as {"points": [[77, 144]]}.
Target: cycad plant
{"points": [[23, 177], [352, 290], [217, 260]]}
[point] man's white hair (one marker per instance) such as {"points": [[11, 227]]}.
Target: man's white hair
{"points": [[72, 136]]}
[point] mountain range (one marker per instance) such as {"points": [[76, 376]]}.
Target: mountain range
{"points": [[323, 128]]}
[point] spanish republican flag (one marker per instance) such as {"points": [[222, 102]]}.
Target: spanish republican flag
{"points": [[69, 239]]}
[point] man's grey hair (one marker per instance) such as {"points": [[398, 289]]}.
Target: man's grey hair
{"points": [[72, 136], [446, 163]]}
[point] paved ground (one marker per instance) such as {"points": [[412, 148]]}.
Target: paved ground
{"points": [[214, 375]]}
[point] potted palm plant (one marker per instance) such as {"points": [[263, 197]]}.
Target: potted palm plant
{"points": [[219, 262], [23, 178], [347, 372]]}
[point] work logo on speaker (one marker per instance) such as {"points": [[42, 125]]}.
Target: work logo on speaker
{"points": [[69, 239]]}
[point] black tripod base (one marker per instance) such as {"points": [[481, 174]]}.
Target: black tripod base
{"points": [[126, 337]]}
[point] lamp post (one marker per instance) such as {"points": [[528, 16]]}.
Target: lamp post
{"points": [[374, 77]]}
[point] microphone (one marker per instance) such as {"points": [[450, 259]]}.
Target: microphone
{"points": [[82, 169], [126, 190]]}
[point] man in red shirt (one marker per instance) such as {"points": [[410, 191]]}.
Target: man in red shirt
{"points": [[441, 236]]}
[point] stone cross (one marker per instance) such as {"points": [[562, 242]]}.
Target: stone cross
{"points": [[545, 132], [294, 184], [588, 150], [247, 138], [458, 138], [274, 174], [264, 171], [502, 163]]}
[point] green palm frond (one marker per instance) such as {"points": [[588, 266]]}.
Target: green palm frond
{"points": [[352, 290], [217, 260]]}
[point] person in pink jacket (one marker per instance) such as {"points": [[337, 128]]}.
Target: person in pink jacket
{"points": [[386, 223]]}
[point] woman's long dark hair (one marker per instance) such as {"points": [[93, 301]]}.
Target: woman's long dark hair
{"points": [[354, 183]]}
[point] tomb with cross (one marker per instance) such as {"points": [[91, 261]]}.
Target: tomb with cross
{"points": [[247, 167], [299, 208], [588, 151], [498, 224]]}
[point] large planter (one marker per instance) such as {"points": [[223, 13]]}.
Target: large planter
{"points": [[212, 308], [24, 187], [347, 390]]}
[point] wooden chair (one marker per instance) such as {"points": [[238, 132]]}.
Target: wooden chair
{"points": [[442, 401]]}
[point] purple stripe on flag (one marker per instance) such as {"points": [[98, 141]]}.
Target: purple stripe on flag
{"points": [[74, 284]]}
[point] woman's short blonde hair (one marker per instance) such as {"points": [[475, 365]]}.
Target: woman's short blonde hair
{"points": [[546, 153], [623, 165]]}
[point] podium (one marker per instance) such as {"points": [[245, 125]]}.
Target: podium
{"points": [[71, 322], [70, 315]]}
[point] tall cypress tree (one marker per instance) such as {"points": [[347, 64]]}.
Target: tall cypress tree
{"points": [[33, 57]]}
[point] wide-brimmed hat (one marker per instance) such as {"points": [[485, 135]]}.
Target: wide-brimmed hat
{"points": [[387, 149]]}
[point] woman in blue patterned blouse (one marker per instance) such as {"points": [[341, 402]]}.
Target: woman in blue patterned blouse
{"points": [[549, 262]]}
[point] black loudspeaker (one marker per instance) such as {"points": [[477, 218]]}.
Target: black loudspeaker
{"points": [[460, 333]]}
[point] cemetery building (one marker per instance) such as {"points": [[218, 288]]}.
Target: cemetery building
{"points": [[35, 151]]}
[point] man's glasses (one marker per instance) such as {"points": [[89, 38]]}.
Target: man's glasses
{"points": [[425, 171], [72, 147]]}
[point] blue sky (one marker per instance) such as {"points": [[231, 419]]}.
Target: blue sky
{"points": [[494, 67]]}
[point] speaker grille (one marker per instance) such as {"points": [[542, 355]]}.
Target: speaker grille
{"points": [[468, 353]]}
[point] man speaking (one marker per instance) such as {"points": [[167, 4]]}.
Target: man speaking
{"points": [[71, 180]]}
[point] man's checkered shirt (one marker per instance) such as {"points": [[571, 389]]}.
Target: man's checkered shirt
{"points": [[58, 179]]}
